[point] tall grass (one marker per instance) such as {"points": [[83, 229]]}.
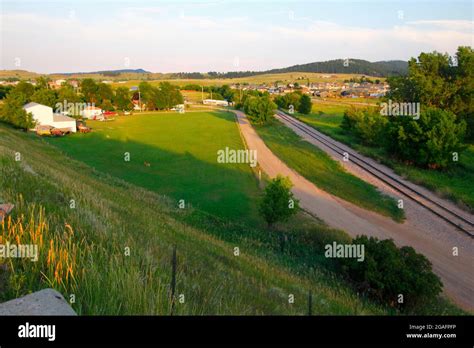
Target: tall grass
{"points": [[57, 252]]}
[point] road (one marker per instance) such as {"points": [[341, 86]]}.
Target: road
{"points": [[426, 233]]}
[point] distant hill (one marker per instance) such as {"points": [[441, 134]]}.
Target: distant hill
{"points": [[336, 66], [108, 72], [354, 66]]}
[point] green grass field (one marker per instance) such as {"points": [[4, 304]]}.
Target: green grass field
{"points": [[454, 184], [323, 171], [182, 152]]}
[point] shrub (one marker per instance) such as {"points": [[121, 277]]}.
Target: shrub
{"points": [[278, 203], [388, 272], [429, 141], [12, 112], [259, 109], [290, 99], [351, 117], [367, 124], [305, 104]]}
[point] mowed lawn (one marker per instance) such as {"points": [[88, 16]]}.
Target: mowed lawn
{"points": [[454, 183], [181, 150]]}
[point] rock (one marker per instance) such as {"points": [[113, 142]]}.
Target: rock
{"points": [[43, 302], [5, 209]]}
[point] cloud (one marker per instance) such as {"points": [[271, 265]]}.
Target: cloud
{"points": [[164, 39], [446, 24], [396, 42]]}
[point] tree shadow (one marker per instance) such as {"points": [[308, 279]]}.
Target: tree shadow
{"points": [[226, 190]]}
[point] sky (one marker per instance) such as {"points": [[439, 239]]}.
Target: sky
{"points": [[174, 36]]}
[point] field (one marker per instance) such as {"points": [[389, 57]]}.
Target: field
{"points": [[323, 171], [182, 152], [195, 96], [454, 184], [268, 79]]}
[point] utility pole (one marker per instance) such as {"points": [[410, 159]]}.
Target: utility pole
{"points": [[202, 94], [139, 99]]}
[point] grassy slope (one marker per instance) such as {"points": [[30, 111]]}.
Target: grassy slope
{"points": [[323, 171], [455, 183], [112, 214], [182, 152]]}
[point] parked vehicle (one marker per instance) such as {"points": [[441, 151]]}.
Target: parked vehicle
{"points": [[82, 128], [57, 132], [109, 114], [43, 130]]}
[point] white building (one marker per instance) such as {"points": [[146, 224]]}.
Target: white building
{"points": [[215, 102], [92, 112], [43, 116]]}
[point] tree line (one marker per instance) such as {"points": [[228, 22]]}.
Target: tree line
{"points": [[163, 97], [443, 87], [102, 95]]}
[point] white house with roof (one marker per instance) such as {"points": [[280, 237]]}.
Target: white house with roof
{"points": [[92, 112], [215, 102], [43, 116]]}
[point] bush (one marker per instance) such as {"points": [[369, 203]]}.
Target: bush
{"points": [[259, 109], [12, 111], [388, 271], [305, 104], [429, 141], [367, 124], [278, 203]]}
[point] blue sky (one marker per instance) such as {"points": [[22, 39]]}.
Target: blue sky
{"points": [[170, 36]]}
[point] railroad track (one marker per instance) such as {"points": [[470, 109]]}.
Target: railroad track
{"points": [[462, 223]]}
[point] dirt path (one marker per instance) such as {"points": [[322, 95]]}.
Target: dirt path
{"points": [[456, 272]]}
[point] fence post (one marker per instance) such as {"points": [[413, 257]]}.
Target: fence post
{"points": [[173, 279], [310, 303]]}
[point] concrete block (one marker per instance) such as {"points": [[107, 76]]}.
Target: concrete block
{"points": [[43, 302]]}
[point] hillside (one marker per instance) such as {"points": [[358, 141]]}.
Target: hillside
{"points": [[108, 72], [111, 216], [355, 66]]}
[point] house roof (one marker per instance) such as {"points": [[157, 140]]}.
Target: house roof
{"points": [[31, 104], [62, 118]]}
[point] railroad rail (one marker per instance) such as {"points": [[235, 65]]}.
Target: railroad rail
{"points": [[446, 214]]}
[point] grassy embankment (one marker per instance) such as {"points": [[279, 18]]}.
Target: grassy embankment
{"points": [[454, 183]]}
